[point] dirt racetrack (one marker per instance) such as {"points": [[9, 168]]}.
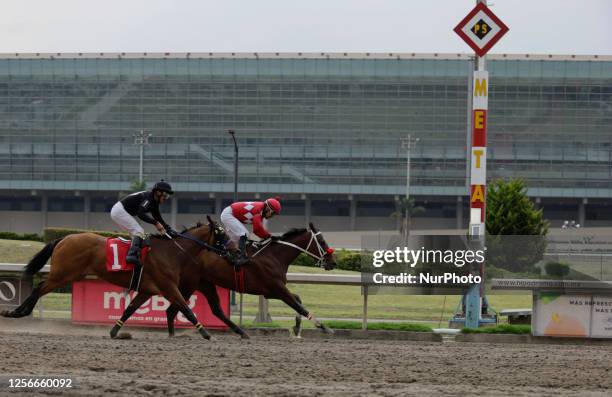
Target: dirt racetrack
{"points": [[151, 364]]}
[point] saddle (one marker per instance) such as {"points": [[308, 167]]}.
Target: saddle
{"points": [[116, 251]]}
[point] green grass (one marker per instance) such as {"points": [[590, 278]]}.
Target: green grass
{"points": [[339, 301], [500, 329], [16, 251], [57, 301], [318, 270], [337, 324], [273, 324]]}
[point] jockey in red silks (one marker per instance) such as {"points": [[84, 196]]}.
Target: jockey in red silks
{"points": [[235, 216]]}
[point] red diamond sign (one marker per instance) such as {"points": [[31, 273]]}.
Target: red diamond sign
{"points": [[481, 29]]}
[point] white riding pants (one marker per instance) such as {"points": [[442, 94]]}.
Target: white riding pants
{"points": [[126, 221], [233, 226]]}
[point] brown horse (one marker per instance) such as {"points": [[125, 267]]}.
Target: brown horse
{"points": [[167, 265], [265, 274], [215, 242]]}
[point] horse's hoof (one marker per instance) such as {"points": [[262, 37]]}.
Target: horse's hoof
{"points": [[10, 314], [204, 334], [244, 336], [327, 330], [124, 335], [113, 332]]}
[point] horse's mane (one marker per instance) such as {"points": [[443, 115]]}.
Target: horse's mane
{"points": [[197, 225], [185, 229], [291, 233]]}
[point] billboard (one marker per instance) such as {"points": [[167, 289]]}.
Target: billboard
{"points": [[13, 291], [99, 302], [558, 314]]}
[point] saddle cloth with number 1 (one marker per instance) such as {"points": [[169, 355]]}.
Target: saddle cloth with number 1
{"points": [[116, 251]]}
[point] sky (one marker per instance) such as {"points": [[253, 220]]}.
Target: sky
{"points": [[580, 27]]}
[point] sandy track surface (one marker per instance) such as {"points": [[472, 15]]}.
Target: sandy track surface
{"points": [[151, 364]]}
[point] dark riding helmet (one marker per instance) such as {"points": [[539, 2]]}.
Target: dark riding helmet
{"points": [[163, 186]]}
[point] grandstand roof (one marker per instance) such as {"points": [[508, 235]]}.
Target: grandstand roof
{"points": [[298, 55]]}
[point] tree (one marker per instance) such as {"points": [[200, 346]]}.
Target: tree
{"points": [[138, 186], [516, 230], [510, 212], [407, 209]]}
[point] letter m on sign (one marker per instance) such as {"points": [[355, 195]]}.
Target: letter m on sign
{"points": [[480, 93], [480, 87]]}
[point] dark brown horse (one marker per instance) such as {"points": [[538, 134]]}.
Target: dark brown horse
{"points": [[214, 241], [167, 266], [265, 274]]}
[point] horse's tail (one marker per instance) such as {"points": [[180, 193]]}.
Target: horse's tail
{"points": [[41, 258]]}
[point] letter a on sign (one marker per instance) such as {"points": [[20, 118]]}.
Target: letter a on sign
{"points": [[477, 194]]}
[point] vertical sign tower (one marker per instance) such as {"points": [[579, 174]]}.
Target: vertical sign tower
{"points": [[480, 29]]}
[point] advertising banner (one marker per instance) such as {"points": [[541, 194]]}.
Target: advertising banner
{"points": [[13, 291], [558, 314], [601, 320], [99, 302]]}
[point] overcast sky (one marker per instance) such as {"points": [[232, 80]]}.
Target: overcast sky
{"points": [[536, 26]]}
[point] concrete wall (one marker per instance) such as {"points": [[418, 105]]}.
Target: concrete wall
{"points": [[34, 222], [21, 221]]}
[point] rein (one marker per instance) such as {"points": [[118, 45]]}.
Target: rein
{"points": [[313, 237], [201, 243]]}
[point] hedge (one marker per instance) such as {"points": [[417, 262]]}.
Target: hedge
{"points": [[53, 233], [345, 260], [557, 269], [401, 326], [16, 236]]}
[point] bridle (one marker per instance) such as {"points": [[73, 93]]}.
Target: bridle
{"points": [[313, 237]]}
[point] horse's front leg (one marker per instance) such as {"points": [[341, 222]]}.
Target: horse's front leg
{"points": [[297, 328], [132, 307], [295, 303]]}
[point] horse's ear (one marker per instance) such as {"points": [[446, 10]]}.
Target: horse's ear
{"points": [[210, 219], [312, 227]]}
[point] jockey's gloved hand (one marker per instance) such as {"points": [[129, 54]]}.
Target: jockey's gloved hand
{"points": [[275, 237], [172, 233]]}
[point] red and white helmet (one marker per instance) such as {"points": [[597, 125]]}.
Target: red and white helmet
{"points": [[274, 205]]}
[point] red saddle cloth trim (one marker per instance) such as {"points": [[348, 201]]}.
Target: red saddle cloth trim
{"points": [[239, 280], [116, 262]]}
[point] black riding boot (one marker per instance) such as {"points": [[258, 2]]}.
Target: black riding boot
{"points": [[242, 258], [133, 257]]}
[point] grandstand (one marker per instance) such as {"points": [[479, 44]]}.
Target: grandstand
{"points": [[322, 130]]}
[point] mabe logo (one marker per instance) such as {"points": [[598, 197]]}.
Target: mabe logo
{"points": [[7, 291]]}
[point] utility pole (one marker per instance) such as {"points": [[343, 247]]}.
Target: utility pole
{"points": [[407, 143], [235, 199], [141, 139]]}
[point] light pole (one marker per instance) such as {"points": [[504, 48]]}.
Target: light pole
{"points": [[407, 143], [233, 134], [141, 139], [572, 225]]}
